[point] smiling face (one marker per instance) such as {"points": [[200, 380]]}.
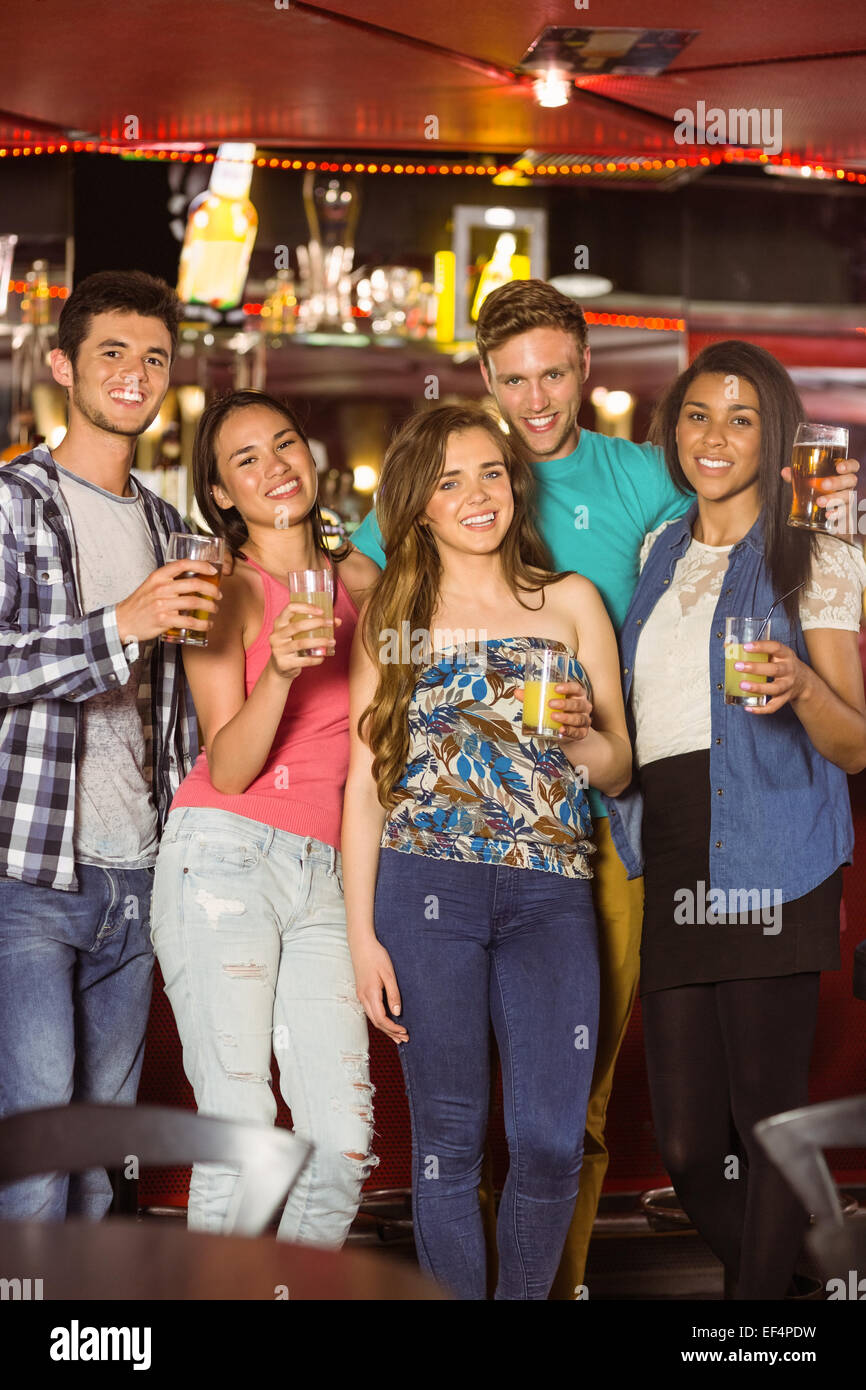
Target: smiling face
{"points": [[120, 375], [264, 468], [719, 436], [536, 378], [472, 505]]}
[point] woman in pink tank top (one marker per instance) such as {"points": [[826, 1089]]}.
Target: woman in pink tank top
{"points": [[248, 921]]}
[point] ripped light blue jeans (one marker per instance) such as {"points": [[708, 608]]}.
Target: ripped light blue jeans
{"points": [[249, 928]]}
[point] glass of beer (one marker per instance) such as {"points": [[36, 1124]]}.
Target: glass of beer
{"points": [[315, 587], [817, 450], [545, 668], [183, 546], [738, 631]]}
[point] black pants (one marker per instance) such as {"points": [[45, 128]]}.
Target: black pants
{"points": [[720, 1057]]}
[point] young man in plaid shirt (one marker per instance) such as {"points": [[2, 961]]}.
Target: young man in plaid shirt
{"points": [[96, 725]]}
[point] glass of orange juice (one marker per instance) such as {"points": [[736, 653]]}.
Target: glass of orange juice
{"points": [[545, 668]]}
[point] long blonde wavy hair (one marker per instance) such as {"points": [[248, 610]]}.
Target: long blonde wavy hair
{"points": [[408, 589]]}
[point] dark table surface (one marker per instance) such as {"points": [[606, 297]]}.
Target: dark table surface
{"points": [[122, 1258]]}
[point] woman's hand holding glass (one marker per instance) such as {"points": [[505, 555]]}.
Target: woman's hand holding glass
{"points": [[789, 676], [843, 482], [289, 643], [573, 709]]}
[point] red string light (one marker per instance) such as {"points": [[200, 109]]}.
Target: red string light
{"points": [[609, 166], [659, 325], [54, 291]]}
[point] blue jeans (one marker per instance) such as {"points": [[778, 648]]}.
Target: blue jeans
{"points": [[75, 984], [471, 943], [249, 928]]}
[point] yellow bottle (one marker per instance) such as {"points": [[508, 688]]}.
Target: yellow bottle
{"points": [[220, 233], [443, 285]]}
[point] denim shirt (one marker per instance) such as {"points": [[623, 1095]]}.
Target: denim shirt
{"points": [[780, 814]]}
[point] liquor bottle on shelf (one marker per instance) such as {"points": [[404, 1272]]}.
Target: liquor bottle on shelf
{"points": [[36, 303], [220, 233], [7, 256], [280, 306], [172, 475]]}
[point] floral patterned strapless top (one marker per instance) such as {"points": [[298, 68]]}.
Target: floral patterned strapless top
{"points": [[475, 788]]}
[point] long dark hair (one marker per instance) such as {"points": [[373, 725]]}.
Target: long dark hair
{"points": [[408, 589], [228, 522], [788, 551]]}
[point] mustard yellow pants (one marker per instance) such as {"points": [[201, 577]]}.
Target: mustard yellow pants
{"points": [[619, 914]]}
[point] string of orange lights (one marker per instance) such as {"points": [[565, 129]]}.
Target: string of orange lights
{"points": [[601, 166]]}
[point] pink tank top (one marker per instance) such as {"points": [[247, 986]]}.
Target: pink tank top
{"points": [[300, 787]]}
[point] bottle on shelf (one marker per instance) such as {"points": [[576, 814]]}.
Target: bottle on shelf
{"points": [[220, 233], [36, 303]]}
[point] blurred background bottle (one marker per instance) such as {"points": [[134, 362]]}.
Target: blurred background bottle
{"points": [[220, 233]]}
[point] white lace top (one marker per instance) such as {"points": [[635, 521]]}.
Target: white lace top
{"points": [[671, 692]]}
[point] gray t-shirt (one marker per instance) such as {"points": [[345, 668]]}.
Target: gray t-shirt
{"points": [[115, 816]]}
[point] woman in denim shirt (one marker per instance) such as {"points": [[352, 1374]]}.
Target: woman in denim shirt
{"points": [[746, 819]]}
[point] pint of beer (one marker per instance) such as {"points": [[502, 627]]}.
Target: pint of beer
{"points": [[183, 546], [817, 450]]}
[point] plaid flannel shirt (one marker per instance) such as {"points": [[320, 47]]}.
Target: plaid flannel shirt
{"points": [[52, 659]]}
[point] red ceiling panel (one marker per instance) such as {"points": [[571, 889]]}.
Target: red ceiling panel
{"points": [[210, 70], [729, 33], [368, 73], [822, 102]]}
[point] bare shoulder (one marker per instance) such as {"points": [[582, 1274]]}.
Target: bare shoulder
{"points": [[359, 573], [572, 589], [242, 585], [242, 603]]}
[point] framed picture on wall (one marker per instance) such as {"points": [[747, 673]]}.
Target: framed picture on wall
{"points": [[493, 245]]}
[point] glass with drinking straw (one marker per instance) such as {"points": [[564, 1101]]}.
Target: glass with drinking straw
{"points": [[739, 631]]}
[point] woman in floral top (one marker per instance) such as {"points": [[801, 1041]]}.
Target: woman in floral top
{"points": [[466, 846]]}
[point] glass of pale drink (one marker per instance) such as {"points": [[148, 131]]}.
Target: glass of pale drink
{"points": [[738, 631], [182, 545], [315, 587], [545, 668]]}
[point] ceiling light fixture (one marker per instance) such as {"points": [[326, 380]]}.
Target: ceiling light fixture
{"points": [[552, 89]]}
